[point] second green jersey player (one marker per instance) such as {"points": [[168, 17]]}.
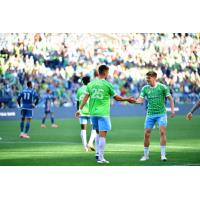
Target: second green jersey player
{"points": [[155, 93], [85, 116]]}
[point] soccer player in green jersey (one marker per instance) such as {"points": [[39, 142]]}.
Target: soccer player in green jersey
{"points": [[85, 116], [100, 91], [194, 108], [155, 93]]}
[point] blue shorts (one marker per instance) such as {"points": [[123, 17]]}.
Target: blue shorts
{"points": [[101, 123], [85, 120], [26, 113], [151, 120], [48, 112]]}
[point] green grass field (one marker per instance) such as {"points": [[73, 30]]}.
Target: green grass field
{"points": [[62, 146]]}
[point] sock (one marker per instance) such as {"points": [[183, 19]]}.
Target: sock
{"points": [[163, 150], [27, 127], [146, 151], [92, 137], [97, 144], [22, 127], [102, 143], [84, 138], [52, 119], [43, 120]]}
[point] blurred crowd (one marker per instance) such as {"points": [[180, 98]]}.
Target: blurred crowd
{"points": [[59, 61]]}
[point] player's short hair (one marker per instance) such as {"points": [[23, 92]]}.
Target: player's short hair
{"points": [[86, 80], [152, 74], [102, 69], [48, 90], [29, 84]]}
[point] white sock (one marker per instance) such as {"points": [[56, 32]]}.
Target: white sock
{"points": [[146, 151], [97, 144], [92, 137], [163, 150], [84, 138], [102, 143]]}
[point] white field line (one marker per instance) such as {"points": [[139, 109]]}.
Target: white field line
{"points": [[108, 145]]}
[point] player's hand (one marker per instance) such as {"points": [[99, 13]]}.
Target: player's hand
{"points": [[189, 116], [131, 100], [77, 114], [173, 114]]}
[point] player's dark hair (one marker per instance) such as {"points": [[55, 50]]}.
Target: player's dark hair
{"points": [[152, 74], [103, 68], [86, 80], [48, 90], [29, 84]]}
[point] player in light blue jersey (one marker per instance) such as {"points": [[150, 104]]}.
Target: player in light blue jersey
{"points": [[27, 100], [48, 99]]}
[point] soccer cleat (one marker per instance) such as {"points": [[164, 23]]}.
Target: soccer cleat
{"points": [[21, 135], [25, 136], [54, 126], [86, 149], [97, 157], [43, 126], [144, 158], [103, 161], [163, 158], [91, 147]]}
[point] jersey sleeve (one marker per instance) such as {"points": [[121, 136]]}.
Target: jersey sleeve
{"points": [[111, 90], [166, 91], [143, 93], [87, 89]]}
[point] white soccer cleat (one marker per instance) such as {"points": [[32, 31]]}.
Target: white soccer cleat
{"points": [[103, 161], [21, 135], [54, 126], [86, 149], [43, 126], [24, 135], [144, 158], [91, 147], [163, 158]]}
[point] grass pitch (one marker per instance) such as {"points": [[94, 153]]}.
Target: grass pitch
{"points": [[62, 146]]}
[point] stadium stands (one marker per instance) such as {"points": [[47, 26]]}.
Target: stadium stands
{"points": [[58, 61]]}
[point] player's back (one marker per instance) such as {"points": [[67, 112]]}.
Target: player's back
{"points": [[27, 97], [100, 92]]}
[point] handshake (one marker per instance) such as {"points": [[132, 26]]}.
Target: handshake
{"points": [[131, 100]]}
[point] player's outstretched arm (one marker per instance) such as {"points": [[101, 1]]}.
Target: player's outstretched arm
{"points": [[171, 101], [128, 99], [194, 108], [77, 114]]}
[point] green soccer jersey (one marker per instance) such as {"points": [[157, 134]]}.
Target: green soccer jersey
{"points": [[156, 98], [100, 92], [80, 96]]}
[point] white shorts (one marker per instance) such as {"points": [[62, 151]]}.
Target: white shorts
{"points": [[85, 120]]}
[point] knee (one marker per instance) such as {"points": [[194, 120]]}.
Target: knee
{"points": [[162, 133], [147, 133]]}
